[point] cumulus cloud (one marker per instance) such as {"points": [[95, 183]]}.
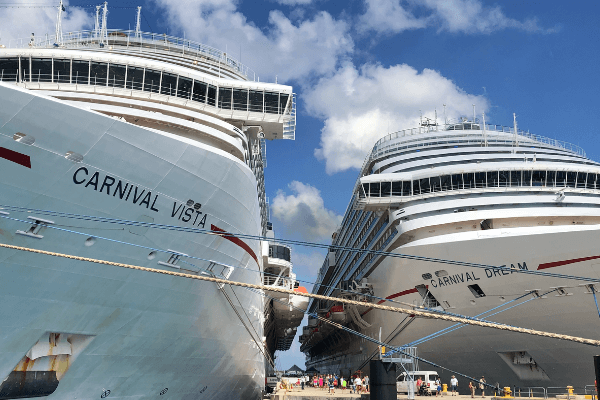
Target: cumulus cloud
{"points": [[294, 2], [464, 16], [291, 50], [304, 212], [307, 265], [385, 16], [20, 23], [359, 106]]}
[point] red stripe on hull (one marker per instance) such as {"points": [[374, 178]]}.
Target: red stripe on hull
{"points": [[393, 296], [10, 155], [237, 241], [566, 262]]}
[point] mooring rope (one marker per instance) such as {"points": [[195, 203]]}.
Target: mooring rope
{"points": [[418, 313]]}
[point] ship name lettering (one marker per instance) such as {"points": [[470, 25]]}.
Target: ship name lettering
{"points": [[492, 272], [122, 189], [188, 214], [454, 279]]}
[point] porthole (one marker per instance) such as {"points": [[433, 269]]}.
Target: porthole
{"points": [[426, 276], [164, 391], [441, 272], [152, 255], [90, 241]]}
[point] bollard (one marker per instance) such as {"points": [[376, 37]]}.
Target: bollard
{"points": [[507, 393], [383, 382], [445, 387]]}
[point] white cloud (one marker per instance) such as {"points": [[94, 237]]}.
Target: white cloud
{"points": [[307, 265], [470, 16], [361, 106], [21, 22], [465, 16], [284, 48], [304, 212], [294, 2], [385, 16]]}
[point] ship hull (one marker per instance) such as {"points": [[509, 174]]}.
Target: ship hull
{"points": [[476, 351], [146, 333]]}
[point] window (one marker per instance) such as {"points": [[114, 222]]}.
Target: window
{"points": [[526, 178], [41, 70], [571, 178], [397, 188], [561, 178], [515, 178], [184, 87], [81, 72], [407, 188], [446, 182], [135, 78], [492, 178], [116, 75], [256, 101], [581, 178], [428, 299], [271, 102], [9, 68], [98, 73], [591, 181], [280, 252], [480, 179], [386, 189], [240, 99], [152, 81], [550, 178], [62, 71], [365, 187], [469, 180], [211, 95], [424, 185], [476, 290], [374, 189], [504, 178], [457, 182], [168, 84], [283, 102], [199, 91], [225, 98], [538, 178], [435, 183]]}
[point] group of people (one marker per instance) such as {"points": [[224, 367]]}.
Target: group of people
{"points": [[331, 382], [422, 386]]}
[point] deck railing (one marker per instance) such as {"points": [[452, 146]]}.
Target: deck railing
{"points": [[146, 41]]}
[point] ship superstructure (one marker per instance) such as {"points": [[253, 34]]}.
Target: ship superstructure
{"points": [[484, 194], [133, 126]]}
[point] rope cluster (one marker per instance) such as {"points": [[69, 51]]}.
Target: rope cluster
{"points": [[418, 313]]}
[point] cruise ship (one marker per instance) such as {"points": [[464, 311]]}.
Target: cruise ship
{"points": [[478, 193], [133, 126]]}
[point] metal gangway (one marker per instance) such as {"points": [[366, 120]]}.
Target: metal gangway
{"points": [[407, 361]]}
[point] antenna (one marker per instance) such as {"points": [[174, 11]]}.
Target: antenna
{"points": [[97, 26], [435, 117], [138, 33], [103, 31], [445, 120], [58, 33], [473, 113], [484, 133], [515, 128]]}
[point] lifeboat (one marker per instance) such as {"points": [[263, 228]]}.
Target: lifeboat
{"points": [[338, 314]]}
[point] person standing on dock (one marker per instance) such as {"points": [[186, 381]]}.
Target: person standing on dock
{"points": [[438, 387], [321, 381], [366, 383], [482, 386], [472, 389], [454, 384]]}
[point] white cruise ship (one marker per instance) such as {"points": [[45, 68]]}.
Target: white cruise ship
{"points": [[478, 193], [143, 127]]}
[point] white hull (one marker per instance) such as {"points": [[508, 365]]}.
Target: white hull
{"points": [[475, 351], [148, 331]]}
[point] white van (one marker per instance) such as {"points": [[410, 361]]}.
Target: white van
{"points": [[403, 380]]}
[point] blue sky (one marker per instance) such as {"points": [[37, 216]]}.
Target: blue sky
{"points": [[363, 68]]}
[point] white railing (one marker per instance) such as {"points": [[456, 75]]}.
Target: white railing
{"points": [[479, 138], [145, 40]]}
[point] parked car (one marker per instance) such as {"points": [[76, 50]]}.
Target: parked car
{"points": [[428, 378]]}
